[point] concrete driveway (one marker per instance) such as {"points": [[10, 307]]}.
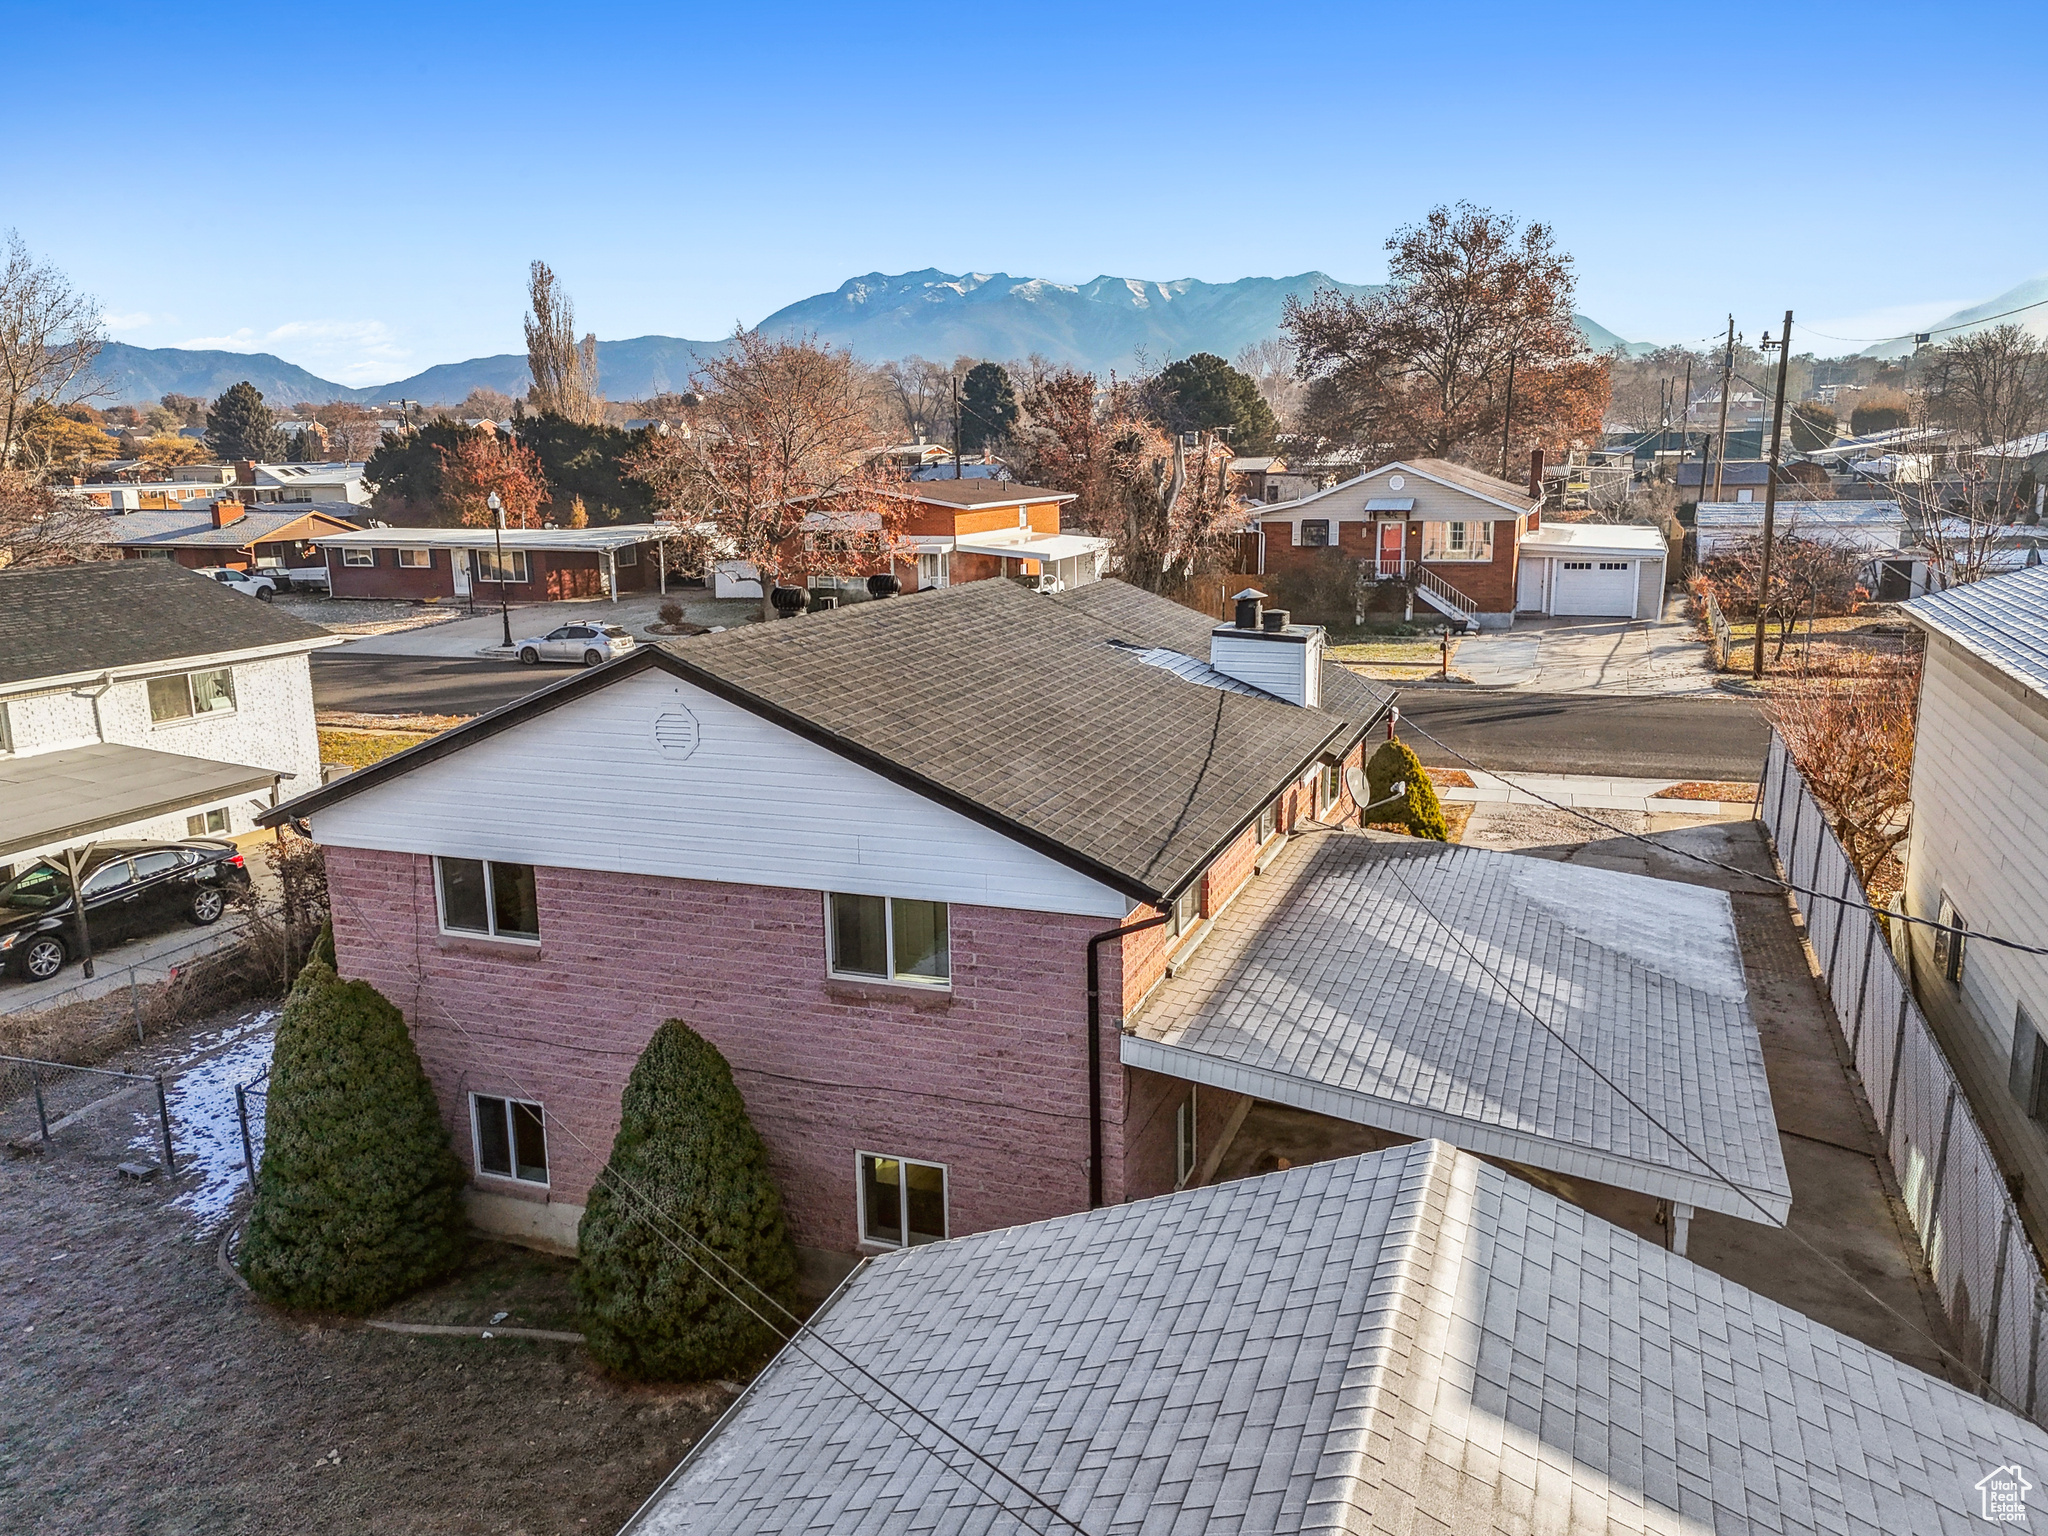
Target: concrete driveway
{"points": [[1614, 656], [485, 634]]}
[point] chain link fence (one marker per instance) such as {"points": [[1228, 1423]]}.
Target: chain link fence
{"points": [[1983, 1262], [53, 1104]]}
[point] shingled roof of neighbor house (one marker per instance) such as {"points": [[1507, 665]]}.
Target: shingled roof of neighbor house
{"points": [[2003, 621], [114, 614], [1032, 713], [1402, 1342], [1399, 983]]}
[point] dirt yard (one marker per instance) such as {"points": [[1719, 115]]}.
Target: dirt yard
{"points": [[142, 1390]]}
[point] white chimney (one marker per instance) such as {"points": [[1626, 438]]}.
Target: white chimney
{"points": [[1263, 649]]}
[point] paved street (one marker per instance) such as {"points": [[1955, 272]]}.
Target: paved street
{"points": [[406, 685], [1715, 737]]}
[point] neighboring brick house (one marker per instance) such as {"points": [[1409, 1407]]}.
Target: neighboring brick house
{"points": [[139, 700], [1450, 533], [873, 855], [457, 564], [227, 533]]}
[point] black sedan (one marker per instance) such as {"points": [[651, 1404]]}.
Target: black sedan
{"points": [[131, 889]]}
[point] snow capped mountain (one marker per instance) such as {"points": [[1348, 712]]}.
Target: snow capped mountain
{"points": [[2030, 297]]}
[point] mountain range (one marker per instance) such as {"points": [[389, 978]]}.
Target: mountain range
{"points": [[1979, 317], [1112, 322]]}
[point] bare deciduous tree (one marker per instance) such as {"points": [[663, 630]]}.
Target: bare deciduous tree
{"points": [[1853, 743], [776, 467], [50, 333], [564, 371], [1990, 387], [41, 527], [1270, 365], [922, 391], [352, 431]]}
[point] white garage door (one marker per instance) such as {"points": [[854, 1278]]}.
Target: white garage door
{"points": [[1595, 588]]}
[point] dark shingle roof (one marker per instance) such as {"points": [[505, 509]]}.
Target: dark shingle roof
{"points": [[978, 493], [1026, 707], [1404, 1342], [1476, 480], [127, 613], [195, 527]]}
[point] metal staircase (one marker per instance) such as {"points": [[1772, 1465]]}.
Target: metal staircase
{"points": [[1442, 596]]}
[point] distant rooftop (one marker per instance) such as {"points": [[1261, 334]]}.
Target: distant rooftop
{"points": [[1411, 1341]]}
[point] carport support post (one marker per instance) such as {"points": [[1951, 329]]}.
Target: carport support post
{"points": [[163, 1115], [1681, 1225], [78, 910], [611, 573]]}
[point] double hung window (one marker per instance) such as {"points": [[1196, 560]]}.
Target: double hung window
{"points": [[511, 1138], [482, 896], [888, 938], [1458, 540], [353, 556], [185, 695], [902, 1203], [416, 559]]}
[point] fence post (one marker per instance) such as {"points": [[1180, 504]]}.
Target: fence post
{"points": [[135, 1004], [2034, 1354], [1792, 847], [42, 1115], [1841, 915], [1784, 781], [1997, 1299], [1948, 1120], [242, 1114], [163, 1115], [1863, 982], [1891, 1098]]}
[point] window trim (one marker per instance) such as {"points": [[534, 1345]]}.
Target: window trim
{"points": [[1951, 948], [424, 563], [476, 1142], [1268, 826], [227, 822], [361, 559], [1441, 548], [895, 978], [625, 555], [860, 1199], [515, 559], [192, 710], [1329, 539], [490, 906]]}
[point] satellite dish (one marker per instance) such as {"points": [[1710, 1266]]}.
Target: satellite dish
{"points": [[1354, 780]]}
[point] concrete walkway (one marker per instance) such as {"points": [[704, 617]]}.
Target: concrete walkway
{"points": [[1587, 793], [1591, 656]]}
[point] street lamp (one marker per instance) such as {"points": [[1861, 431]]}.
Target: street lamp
{"points": [[498, 534]]}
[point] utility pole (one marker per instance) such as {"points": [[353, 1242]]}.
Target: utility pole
{"points": [[1763, 580], [1507, 417], [956, 426], [1721, 432], [1685, 425]]}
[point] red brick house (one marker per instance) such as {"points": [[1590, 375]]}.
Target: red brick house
{"points": [[455, 564], [909, 864], [1452, 534], [226, 533]]}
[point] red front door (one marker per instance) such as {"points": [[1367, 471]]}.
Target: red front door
{"points": [[1393, 549]]}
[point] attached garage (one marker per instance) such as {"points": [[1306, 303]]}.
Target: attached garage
{"points": [[1592, 570]]}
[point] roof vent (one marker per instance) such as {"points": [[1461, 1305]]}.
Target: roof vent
{"points": [[1276, 620], [1248, 603]]}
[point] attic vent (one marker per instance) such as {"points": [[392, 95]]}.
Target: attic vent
{"points": [[676, 732]]}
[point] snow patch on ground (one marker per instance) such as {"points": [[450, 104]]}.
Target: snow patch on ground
{"points": [[205, 1132]]}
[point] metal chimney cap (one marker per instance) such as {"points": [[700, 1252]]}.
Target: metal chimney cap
{"points": [[1238, 597]]}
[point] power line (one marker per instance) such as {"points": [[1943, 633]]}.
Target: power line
{"points": [[1938, 330], [659, 1218], [1747, 874]]}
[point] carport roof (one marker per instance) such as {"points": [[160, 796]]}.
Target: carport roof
{"points": [[1396, 983], [1620, 539], [53, 797]]}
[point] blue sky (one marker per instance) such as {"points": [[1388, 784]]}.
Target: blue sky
{"points": [[359, 189]]}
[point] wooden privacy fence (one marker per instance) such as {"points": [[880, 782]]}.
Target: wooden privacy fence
{"points": [[1983, 1262]]}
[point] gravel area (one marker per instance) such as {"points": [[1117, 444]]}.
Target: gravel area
{"points": [[142, 1390], [363, 616]]}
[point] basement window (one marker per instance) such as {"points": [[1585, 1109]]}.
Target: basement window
{"points": [[902, 1202], [511, 1138], [486, 898]]}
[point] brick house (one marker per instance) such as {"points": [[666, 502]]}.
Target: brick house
{"points": [[456, 564], [1451, 534], [226, 533], [885, 858]]}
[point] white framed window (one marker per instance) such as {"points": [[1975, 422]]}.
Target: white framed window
{"points": [[511, 1138], [514, 565], [1186, 910], [902, 1200], [1269, 822], [628, 555], [486, 898], [1458, 540], [1949, 940], [931, 570], [416, 559], [1315, 533], [888, 938], [199, 823], [187, 695], [1329, 785], [353, 556]]}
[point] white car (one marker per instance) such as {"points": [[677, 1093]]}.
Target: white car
{"points": [[248, 583], [588, 644]]}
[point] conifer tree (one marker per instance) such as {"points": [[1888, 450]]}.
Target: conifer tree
{"points": [[686, 1187], [240, 426], [358, 1198], [1419, 811]]}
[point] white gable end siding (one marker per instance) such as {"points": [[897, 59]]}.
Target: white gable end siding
{"points": [[587, 786], [1980, 830], [1346, 503]]}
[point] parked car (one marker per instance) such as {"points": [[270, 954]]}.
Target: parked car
{"points": [[131, 889], [585, 643], [248, 583]]}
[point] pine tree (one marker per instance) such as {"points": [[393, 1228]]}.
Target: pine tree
{"points": [[358, 1199], [1420, 813], [239, 426], [988, 408], [686, 1157]]}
